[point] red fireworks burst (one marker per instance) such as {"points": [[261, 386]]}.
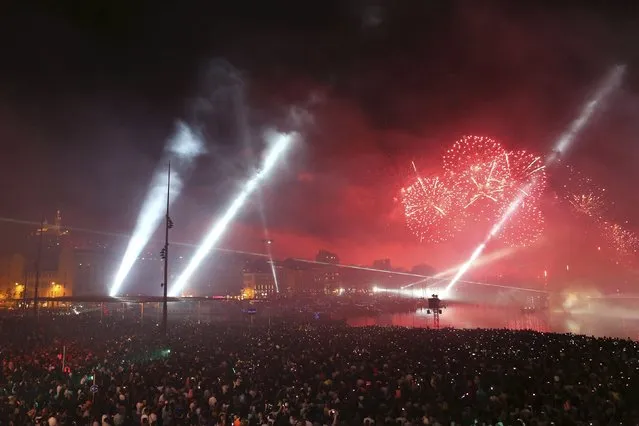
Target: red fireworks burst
{"points": [[583, 196], [479, 176], [482, 180], [470, 151], [587, 199], [527, 175], [589, 204], [487, 179], [525, 226], [622, 240], [428, 207]]}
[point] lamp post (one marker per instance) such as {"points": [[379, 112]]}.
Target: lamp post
{"points": [[164, 254]]}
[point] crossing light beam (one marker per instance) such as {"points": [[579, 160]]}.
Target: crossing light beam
{"points": [[183, 148], [611, 82], [280, 143]]}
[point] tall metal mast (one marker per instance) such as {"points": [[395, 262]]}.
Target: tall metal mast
{"points": [[37, 271], [165, 256]]}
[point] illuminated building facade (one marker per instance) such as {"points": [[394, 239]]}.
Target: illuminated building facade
{"points": [[327, 276], [258, 280], [60, 267], [51, 253], [258, 285], [328, 279], [57, 273], [12, 283]]}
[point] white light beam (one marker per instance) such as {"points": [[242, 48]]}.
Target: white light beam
{"points": [[182, 149], [279, 146], [612, 81]]}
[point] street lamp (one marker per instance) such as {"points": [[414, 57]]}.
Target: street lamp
{"points": [[18, 291]]}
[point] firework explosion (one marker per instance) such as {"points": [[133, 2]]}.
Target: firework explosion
{"points": [[470, 151], [586, 199], [589, 204], [524, 168], [583, 196], [481, 180], [525, 226], [428, 205], [478, 172], [487, 178], [622, 240]]}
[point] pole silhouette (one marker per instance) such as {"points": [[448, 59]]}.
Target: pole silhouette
{"points": [[165, 256], [37, 271]]}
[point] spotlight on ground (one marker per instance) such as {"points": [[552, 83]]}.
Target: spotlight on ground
{"points": [[279, 145], [182, 149]]}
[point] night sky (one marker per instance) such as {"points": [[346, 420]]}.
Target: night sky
{"points": [[90, 91]]}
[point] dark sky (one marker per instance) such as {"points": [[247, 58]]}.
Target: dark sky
{"points": [[89, 92]]}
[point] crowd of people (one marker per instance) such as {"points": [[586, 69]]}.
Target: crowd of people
{"points": [[82, 370]]}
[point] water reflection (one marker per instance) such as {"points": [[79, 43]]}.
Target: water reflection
{"points": [[491, 317]]}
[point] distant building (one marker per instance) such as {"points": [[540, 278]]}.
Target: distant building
{"points": [[260, 279], [325, 256], [56, 273], [52, 235], [50, 252], [63, 267], [12, 282], [258, 285], [327, 279]]}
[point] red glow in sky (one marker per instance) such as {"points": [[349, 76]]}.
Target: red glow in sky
{"points": [[340, 190]]}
